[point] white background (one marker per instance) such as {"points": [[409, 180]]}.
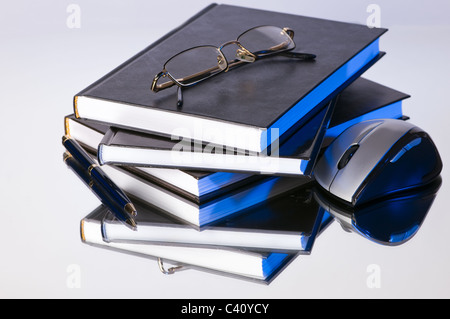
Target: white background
{"points": [[43, 63]]}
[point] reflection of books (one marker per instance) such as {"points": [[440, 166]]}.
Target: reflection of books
{"points": [[235, 104], [286, 223], [200, 215], [362, 100], [262, 266]]}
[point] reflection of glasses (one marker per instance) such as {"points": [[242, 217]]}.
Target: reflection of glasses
{"points": [[200, 63]]}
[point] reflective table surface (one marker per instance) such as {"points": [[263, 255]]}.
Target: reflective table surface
{"points": [[45, 60]]}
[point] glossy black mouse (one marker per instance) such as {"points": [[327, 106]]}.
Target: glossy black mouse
{"points": [[375, 158]]}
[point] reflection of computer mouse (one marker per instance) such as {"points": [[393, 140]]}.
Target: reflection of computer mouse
{"points": [[391, 221], [375, 158]]}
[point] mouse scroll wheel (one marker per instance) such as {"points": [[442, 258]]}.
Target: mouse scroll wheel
{"points": [[347, 156]]}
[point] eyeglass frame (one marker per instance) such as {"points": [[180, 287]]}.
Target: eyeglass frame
{"points": [[229, 64]]}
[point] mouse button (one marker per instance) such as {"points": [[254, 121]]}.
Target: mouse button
{"points": [[405, 149], [398, 155], [390, 131], [368, 130], [414, 143], [360, 130]]}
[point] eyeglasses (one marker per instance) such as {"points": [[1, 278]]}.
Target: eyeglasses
{"points": [[197, 64]]}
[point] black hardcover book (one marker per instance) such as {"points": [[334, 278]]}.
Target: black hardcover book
{"points": [[365, 100], [242, 106], [197, 186], [295, 157], [362, 100]]}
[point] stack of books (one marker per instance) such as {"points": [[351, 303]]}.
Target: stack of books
{"points": [[225, 182]]}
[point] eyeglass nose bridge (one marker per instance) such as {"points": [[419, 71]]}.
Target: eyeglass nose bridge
{"points": [[242, 54]]}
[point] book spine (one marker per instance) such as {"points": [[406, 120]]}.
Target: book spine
{"points": [[106, 140], [318, 141]]}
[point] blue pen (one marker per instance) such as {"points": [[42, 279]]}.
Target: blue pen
{"points": [[97, 174], [99, 191], [101, 180]]}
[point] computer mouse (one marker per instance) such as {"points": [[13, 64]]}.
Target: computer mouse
{"points": [[375, 158]]}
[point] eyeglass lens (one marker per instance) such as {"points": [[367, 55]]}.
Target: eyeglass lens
{"points": [[196, 64], [266, 40]]}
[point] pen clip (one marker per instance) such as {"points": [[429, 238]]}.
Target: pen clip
{"points": [[171, 270]]}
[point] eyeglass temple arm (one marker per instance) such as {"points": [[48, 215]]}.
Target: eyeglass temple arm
{"points": [[298, 55]]}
